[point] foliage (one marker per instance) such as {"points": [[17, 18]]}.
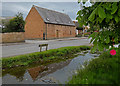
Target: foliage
{"points": [[15, 25], [3, 22], [41, 57], [102, 70], [105, 17], [87, 34]]}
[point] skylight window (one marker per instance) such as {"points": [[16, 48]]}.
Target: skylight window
{"points": [[47, 19], [56, 20]]}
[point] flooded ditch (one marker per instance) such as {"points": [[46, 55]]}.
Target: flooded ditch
{"points": [[55, 73]]}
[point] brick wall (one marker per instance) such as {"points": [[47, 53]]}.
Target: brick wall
{"points": [[60, 31], [12, 37], [34, 26]]}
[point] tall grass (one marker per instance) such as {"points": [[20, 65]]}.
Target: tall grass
{"points": [[102, 70], [41, 57]]}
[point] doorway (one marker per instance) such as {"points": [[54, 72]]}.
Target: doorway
{"points": [[43, 36], [57, 33]]}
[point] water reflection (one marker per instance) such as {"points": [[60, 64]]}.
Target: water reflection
{"points": [[34, 72], [45, 70], [53, 73]]}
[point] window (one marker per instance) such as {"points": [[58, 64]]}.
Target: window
{"points": [[56, 20], [47, 19]]}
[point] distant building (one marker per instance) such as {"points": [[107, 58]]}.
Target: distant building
{"points": [[4, 19], [43, 23], [78, 28]]}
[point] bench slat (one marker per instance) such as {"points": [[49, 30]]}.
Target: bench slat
{"points": [[42, 45]]}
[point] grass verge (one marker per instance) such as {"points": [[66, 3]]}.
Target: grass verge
{"points": [[102, 70], [41, 57]]}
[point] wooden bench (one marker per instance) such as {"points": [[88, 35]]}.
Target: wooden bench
{"points": [[42, 45]]}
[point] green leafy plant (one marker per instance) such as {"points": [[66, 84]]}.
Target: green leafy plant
{"points": [[105, 17], [15, 25]]}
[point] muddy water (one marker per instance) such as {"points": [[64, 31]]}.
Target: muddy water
{"points": [[51, 74]]}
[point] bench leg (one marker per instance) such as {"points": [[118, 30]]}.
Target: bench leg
{"points": [[46, 48], [40, 49]]}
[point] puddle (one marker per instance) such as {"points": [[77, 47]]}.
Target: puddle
{"points": [[56, 73]]}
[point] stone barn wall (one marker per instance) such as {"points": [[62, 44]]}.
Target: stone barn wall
{"points": [[34, 26], [60, 31]]}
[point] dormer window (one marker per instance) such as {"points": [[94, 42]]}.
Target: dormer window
{"points": [[47, 19], [57, 20]]}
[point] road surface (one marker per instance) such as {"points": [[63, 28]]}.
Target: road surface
{"points": [[31, 46]]}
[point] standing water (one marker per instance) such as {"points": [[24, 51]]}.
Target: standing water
{"points": [[56, 73]]}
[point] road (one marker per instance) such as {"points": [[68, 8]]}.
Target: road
{"points": [[31, 46]]}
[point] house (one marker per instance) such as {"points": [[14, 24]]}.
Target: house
{"points": [[78, 28], [43, 23]]}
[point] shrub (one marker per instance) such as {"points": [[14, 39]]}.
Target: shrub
{"points": [[15, 25]]}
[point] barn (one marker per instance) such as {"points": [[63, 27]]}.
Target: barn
{"points": [[42, 23]]}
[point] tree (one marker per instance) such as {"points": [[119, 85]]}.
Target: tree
{"points": [[16, 24], [106, 17]]}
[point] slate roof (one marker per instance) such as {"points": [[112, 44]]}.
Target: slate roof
{"points": [[6, 17], [54, 17]]}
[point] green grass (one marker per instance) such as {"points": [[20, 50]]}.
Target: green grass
{"points": [[41, 57], [102, 70]]}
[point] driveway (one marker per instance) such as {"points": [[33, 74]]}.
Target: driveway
{"points": [[31, 46]]}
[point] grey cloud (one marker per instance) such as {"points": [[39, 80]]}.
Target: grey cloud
{"points": [[11, 8], [39, 0]]}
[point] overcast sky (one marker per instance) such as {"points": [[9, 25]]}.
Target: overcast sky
{"points": [[11, 8]]}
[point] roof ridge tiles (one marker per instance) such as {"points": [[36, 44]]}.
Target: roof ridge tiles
{"points": [[49, 9]]}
